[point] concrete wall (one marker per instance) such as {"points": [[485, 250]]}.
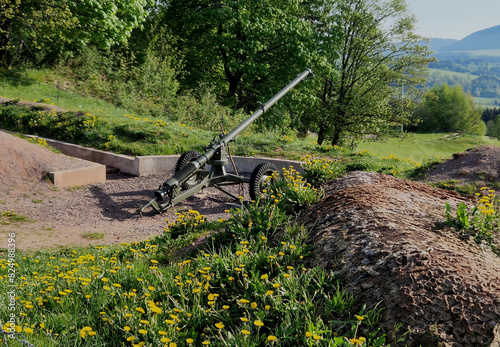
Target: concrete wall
{"points": [[154, 164]]}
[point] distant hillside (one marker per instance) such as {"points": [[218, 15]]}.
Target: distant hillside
{"points": [[487, 39], [438, 44]]}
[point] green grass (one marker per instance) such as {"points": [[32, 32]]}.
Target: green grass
{"points": [[452, 74], [44, 85], [122, 131], [487, 102], [489, 52], [10, 217], [421, 147], [93, 236]]}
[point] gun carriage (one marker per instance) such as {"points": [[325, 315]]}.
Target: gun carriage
{"points": [[190, 175]]}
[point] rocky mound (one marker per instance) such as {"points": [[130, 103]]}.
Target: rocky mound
{"points": [[385, 236], [23, 163], [481, 165]]}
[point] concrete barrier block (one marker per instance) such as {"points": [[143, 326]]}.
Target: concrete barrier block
{"points": [[79, 177]]}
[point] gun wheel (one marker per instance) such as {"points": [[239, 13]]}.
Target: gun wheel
{"points": [[183, 160], [260, 175]]}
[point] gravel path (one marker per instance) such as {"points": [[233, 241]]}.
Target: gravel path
{"points": [[66, 217], [104, 213]]}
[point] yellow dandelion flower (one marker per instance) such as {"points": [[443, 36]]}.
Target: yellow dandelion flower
{"points": [[271, 338], [219, 325], [245, 332], [258, 323]]}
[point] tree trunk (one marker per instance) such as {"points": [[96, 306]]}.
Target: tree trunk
{"points": [[336, 138], [321, 134]]}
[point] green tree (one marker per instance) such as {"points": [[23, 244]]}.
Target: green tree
{"points": [[494, 130], [371, 53], [31, 30], [246, 49], [106, 22], [449, 109], [40, 31]]}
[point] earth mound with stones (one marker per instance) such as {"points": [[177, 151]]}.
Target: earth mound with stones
{"points": [[477, 165], [387, 238], [24, 164]]}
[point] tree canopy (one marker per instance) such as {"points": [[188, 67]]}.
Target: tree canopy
{"points": [[371, 54], [41, 31], [364, 53], [247, 48], [450, 109]]}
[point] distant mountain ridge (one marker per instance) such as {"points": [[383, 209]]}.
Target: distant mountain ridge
{"points": [[438, 44], [486, 39]]}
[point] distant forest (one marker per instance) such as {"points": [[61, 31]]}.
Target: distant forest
{"points": [[478, 75]]}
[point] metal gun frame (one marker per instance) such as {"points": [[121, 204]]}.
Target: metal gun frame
{"points": [[190, 176]]}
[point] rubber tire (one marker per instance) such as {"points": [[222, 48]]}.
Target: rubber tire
{"points": [[259, 175], [183, 160]]}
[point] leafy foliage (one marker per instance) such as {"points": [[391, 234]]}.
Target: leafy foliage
{"points": [[247, 48], [49, 30], [449, 109], [367, 63], [478, 222]]}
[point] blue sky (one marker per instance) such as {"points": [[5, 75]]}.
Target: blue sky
{"points": [[454, 19]]}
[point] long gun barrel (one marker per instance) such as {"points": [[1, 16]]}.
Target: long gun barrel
{"points": [[215, 155]]}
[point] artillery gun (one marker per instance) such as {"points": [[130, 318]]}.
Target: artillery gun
{"points": [[190, 175]]}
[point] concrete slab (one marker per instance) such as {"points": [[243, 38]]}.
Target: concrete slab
{"points": [[79, 177]]}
